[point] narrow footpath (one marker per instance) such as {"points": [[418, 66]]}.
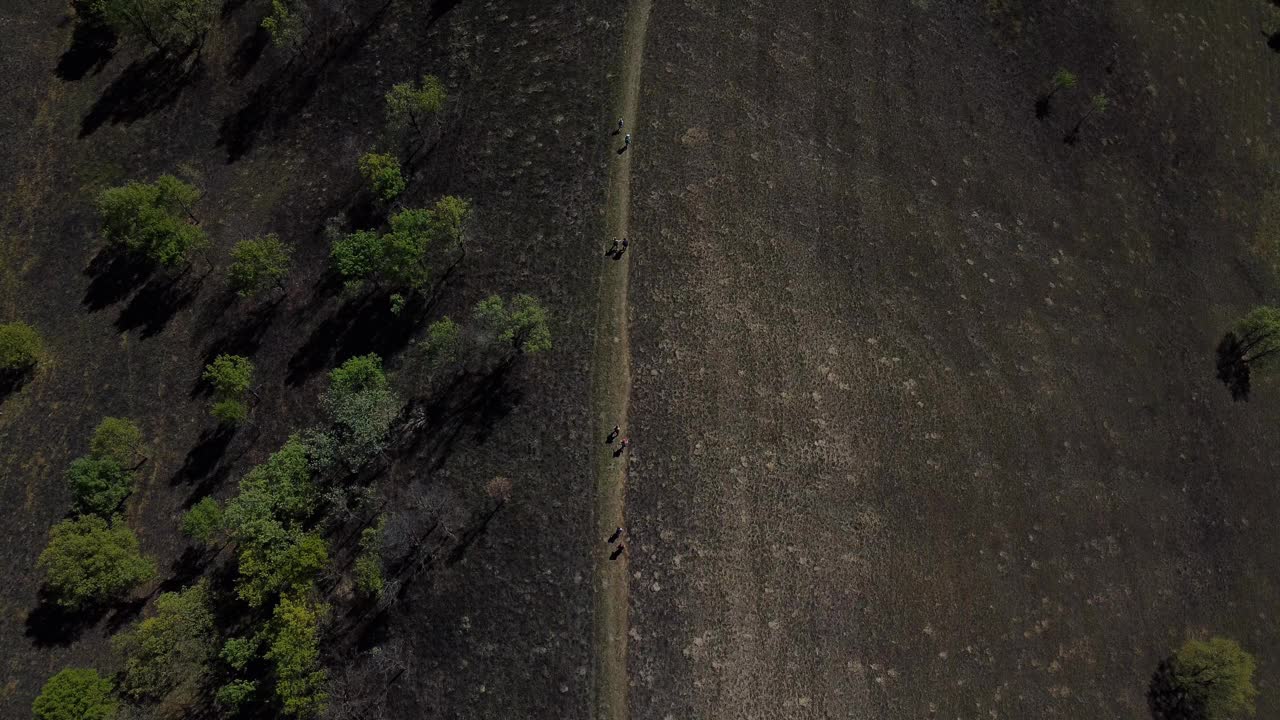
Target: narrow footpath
{"points": [[611, 392]]}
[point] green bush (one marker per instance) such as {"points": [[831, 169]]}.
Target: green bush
{"points": [[295, 653], [171, 649], [238, 652], [116, 439], [405, 255], [382, 172], [415, 106], [1216, 678], [258, 263], [99, 486], [362, 408], [357, 256], [522, 325], [90, 561], [231, 376], [204, 521], [20, 347], [368, 566], [444, 342], [232, 696], [75, 694], [153, 219]]}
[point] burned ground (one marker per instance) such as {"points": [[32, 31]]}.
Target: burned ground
{"points": [[501, 620], [926, 415]]}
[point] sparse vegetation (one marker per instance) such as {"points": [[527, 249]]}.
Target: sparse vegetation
{"points": [[259, 263], [76, 694], [368, 566], [382, 172], [90, 561], [231, 377], [20, 347], [153, 220]]}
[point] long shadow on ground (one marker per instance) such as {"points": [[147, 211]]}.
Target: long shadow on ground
{"points": [[92, 46], [143, 87], [1166, 701]]}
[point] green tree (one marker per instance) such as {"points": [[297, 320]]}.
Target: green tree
{"points": [[90, 561], [287, 24], [238, 652], [415, 106], [357, 256], [382, 172], [204, 521], [1216, 677], [117, 439], [368, 565], [288, 565], [166, 24], [75, 694], [231, 377], [99, 486], [522, 325], [362, 408], [20, 347], [170, 650], [443, 343], [232, 696], [295, 654], [153, 220], [259, 262]]}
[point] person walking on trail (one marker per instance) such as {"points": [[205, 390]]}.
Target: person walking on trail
{"points": [[626, 141], [614, 433], [620, 124], [613, 249], [622, 447], [617, 551], [616, 534], [625, 244]]}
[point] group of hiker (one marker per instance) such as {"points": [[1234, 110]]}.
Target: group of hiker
{"points": [[619, 247]]}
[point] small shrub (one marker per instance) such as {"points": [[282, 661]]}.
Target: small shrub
{"points": [[20, 347], [231, 377], [444, 342], [75, 694], [382, 172], [232, 696], [357, 256], [286, 24], [238, 652], [415, 106], [90, 561], [368, 566]]}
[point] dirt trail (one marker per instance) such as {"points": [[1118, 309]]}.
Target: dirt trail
{"points": [[611, 391]]}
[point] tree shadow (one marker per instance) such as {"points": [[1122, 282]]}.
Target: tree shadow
{"points": [[11, 381], [1233, 369], [438, 9], [92, 46], [474, 401], [114, 275], [243, 339], [1166, 700], [360, 326], [156, 304], [1043, 107], [123, 614], [279, 99], [471, 535], [142, 88], [1273, 41], [185, 569], [248, 54], [51, 625], [203, 462]]}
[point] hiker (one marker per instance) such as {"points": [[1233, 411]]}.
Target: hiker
{"points": [[616, 534], [614, 433], [622, 447], [626, 141], [625, 243], [614, 248], [620, 123], [617, 551]]}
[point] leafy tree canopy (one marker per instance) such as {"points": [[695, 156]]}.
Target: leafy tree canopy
{"points": [[444, 341], [20, 347], [152, 219], [231, 376], [89, 561], [1217, 677], [522, 324], [382, 172], [99, 486], [173, 648], [75, 694], [362, 408], [204, 521], [166, 24], [287, 24], [357, 256], [286, 566], [259, 262], [273, 496], [117, 439], [295, 653], [414, 106]]}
